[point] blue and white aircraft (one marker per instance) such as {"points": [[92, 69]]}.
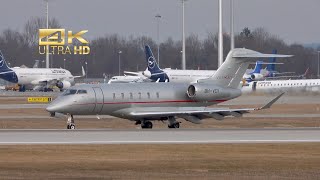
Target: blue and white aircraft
{"points": [[38, 78]]}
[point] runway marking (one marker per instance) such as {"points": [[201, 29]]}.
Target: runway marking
{"points": [[167, 142]]}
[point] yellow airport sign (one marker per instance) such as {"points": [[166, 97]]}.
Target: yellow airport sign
{"points": [[39, 99]]}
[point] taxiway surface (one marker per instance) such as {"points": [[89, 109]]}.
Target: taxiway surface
{"points": [[192, 136]]}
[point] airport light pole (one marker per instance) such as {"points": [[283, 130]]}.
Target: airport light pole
{"points": [[158, 17], [47, 47], [183, 39], [64, 63], [318, 63], [86, 70], [119, 53], [232, 24], [220, 36]]}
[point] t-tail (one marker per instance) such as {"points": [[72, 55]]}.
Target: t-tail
{"points": [[156, 74], [230, 73]]}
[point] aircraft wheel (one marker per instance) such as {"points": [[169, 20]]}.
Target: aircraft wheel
{"points": [[147, 125], [72, 126], [174, 126]]}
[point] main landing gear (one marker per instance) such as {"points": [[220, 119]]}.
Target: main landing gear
{"points": [[173, 124], [146, 125], [70, 122]]}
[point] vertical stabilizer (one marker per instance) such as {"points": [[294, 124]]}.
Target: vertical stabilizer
{"points": [[237, 61]]}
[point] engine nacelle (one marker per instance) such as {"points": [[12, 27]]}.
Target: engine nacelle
{"points": [[63, 84], [210, 92], [256, 76], [146, 73]]}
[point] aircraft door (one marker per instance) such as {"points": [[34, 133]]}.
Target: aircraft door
{"points": [[254, 86], [99, 100]]}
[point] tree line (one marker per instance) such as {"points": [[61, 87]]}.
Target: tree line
{"points": [[21, 47]]}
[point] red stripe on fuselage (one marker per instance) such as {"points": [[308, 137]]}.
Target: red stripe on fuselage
{"points": [[155, 102]]}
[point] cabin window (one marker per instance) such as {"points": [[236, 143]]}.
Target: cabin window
{"points": [[131, 96], [158, 96], [69, 92], [122, 95], [114, 95]]}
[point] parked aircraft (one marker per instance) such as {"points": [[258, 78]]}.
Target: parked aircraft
{"points": [[276, 86], [126, 79], [154, 73], [145, 102], [37, 77]]}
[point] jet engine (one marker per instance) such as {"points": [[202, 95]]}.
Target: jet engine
{"points": [[210, 92], [146, 73], [63, 84], [256, 76]]}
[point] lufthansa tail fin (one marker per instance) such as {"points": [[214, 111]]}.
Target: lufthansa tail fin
{"points": [[151, 61], [230, 73], [3, 65]]}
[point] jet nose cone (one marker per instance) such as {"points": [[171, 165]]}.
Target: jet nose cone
{"points": [[53, 108]]}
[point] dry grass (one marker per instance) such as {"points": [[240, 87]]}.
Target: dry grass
{"points": [[204, 161]]}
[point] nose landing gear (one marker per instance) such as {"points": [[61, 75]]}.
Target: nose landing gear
{"points": [[70, 122], [173, 124]]}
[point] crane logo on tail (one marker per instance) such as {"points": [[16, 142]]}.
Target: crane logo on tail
{"points": [[151, 62]]}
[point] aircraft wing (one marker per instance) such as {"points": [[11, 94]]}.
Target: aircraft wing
{"points": [[44, 81], [132, 73], [185, 112]]}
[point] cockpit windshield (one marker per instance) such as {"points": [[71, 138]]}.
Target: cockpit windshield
{"points": [[74, 91], [80, 91]]}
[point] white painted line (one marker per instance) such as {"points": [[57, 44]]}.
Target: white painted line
{"points": [[165, 142]]}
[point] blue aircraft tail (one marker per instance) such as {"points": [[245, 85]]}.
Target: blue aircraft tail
{"points": [[5, 72], [156, 73], [258, 67], [152, 63], [272, 67], [3, 65]]}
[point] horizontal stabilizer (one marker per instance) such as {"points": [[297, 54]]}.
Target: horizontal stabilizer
{"points": [[132, 73], [267, 63], [247, 53]]}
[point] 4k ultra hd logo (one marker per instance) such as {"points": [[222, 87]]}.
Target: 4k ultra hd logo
{"points": [[56, 41]]}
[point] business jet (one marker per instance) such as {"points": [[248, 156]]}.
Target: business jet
{"points": [[145, 102], [287, 86], [37, 77]]}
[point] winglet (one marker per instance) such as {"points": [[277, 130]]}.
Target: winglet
{"points": [[270, 103], [83, 73]]}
